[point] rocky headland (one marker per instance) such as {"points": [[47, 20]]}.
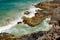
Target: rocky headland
{"points": [[48, 10]]}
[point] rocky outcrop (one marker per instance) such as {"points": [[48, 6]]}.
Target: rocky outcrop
{"points": [[52, 34], [47, 5], [37, 19], [40, 15]]}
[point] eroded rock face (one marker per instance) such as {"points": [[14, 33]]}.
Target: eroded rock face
{"points": [[47, 5]]}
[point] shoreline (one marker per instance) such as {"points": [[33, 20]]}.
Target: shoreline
{"points": [[9, 26]]}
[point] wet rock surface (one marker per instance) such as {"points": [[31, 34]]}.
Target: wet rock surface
{"points": [[49, 10], [37, 19]]}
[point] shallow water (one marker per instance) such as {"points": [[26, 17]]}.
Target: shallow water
{"points": [[10, 10], [23, 29]]}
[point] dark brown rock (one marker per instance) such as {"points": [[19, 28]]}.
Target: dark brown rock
{"points": [[26, 12]]}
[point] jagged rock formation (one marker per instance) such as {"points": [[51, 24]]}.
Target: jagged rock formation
{"points": [[38, 18], [40, 15]]}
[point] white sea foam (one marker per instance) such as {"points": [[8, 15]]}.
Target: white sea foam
{"points": [[32, 11], [24, 30], [12, 24]]}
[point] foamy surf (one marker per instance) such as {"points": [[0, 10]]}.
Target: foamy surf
{"points": [[32, 11], [12, 24], [24, 30]]}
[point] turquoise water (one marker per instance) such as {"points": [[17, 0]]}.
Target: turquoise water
{"points": [[10, 9]]}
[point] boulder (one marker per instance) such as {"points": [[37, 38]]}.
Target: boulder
{"points": [[26, 12]]}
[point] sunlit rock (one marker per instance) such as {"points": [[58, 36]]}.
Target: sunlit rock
{"points": [[37, 19]]}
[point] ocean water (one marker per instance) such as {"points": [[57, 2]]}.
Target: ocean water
{"points": [[10, 10]]}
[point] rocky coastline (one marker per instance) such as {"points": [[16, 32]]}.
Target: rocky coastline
{"points": [[51, 9], [40, 15]]}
